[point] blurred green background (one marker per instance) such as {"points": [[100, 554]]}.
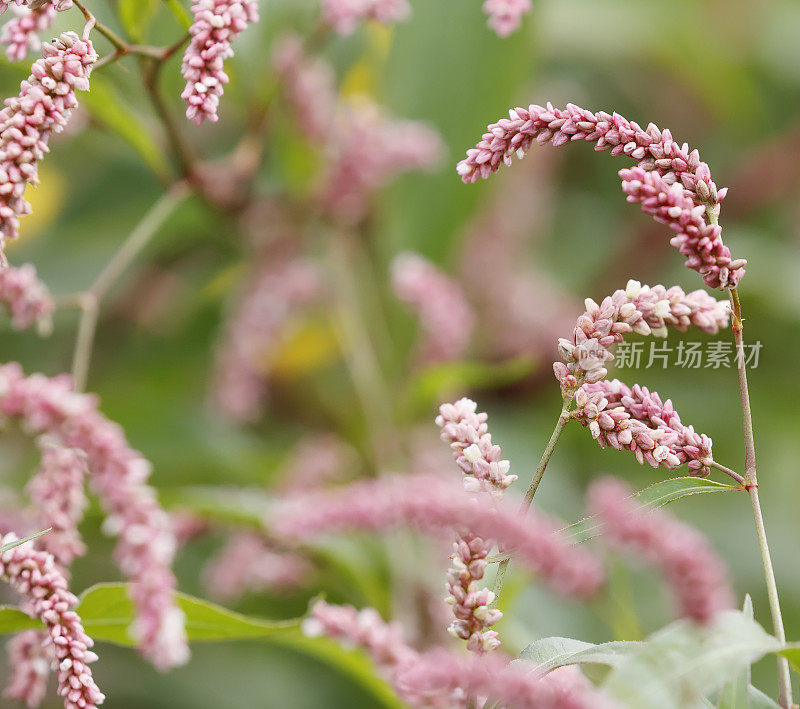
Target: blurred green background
{"points": [[724, 76]]}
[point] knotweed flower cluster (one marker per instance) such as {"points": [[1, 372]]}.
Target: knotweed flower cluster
{"points": [[118, 475], [638, 309], [316, 462], [247, 564], [253, 331], [309, 86], [505, 16], [34, 575], [697, 575], [696, 239], [441, 306], [367, 150], [43, 107], [436, 506], [636, 420], [345, 15], [58, 501], [216, 24], [30, 656], [26, 298], [20, 34], [479, 459]]}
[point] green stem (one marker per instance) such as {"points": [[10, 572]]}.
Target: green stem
{"points": [[563, 418], [751, 485]]}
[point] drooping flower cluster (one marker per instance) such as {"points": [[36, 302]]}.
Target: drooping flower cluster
{"points": [[440, 303], [653, 149], [638, 421], [640, 309], [26, 298], [310, 88], [247, 564], [479, 459], [216, 24], [253, 331], [367, 150], [696, 239], [436, 506], [316, 462], [30, 662], [58, 501], [697, 575], [43, 107], [118, 475], [345, 15], [34, 575], [20, 34], [505, 16]]}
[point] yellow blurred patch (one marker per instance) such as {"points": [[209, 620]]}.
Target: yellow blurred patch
{"points": [[307, 345], [46, 201], [364, 74]]}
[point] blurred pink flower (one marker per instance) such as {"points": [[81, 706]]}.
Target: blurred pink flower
{"points": [[43, 107], [505, 16], [367, 150], [252, 331], [216, 24], [436, 506], [34, 575], [20, 34], [30, 662], [118, 475], [698, 240], [317, 461], [310, 88], [344, 15], [26, 298], [697, 575], [445, 316], [246, 564]]}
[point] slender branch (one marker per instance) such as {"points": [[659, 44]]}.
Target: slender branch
{"points": [[89, 301], [563, 418], [738, 478], [107, 32]]}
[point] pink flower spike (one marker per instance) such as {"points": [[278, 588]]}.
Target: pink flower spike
{"points": [[30, 664], [444, 314], [43, 107], [118, 475], [216, 24], [20, 34], [34, 575], [26, 298], [697, 575], [437, 506], [505, 16]]}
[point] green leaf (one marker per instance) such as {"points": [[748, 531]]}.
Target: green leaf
{"points": [[792, 653], [549, 653], [18, 542], [106, 106], [682, 664], [135, 16], [107, 613], [229, 505], [658, 495], [180, 13], [12, 620], [735, 694]]}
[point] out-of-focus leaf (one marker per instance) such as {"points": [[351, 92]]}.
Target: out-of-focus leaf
{"points": [[107, 613], [792, 653], [449, 376], [651, 497], [682, 664], [229, 505], [759, 700], [106, 106], [180, 13], [136, 16], [735, 694], [549, 653], [12, 620]]}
